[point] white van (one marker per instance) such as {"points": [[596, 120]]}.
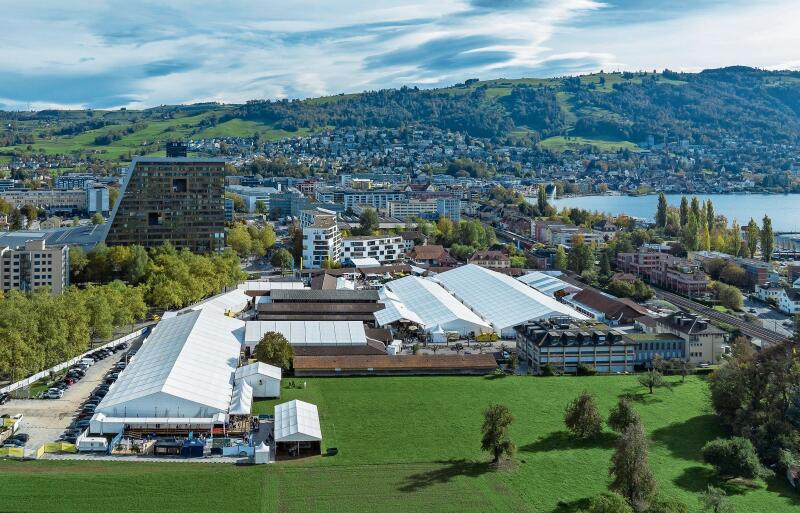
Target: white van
{"points": [[86, 361]]}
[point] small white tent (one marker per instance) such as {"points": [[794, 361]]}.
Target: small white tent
{"points": [[264, 379], [297, 430], [261, 454]]}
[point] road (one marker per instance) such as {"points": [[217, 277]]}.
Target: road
{"points": [[769, 317], [45, 419], [749, 329]]}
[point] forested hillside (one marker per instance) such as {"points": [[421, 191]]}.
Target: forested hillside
{"points": [[712, 107]]}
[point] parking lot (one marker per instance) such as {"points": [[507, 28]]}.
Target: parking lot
{"points": [[46, 419]]}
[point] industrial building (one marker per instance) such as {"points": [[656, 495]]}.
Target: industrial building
{"points": [[177, 200]]}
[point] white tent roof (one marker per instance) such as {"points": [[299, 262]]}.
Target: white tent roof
{"points": [[365, 262], [242, 399], [297, 421], [234, 301], [500, 299], [545, 283], [191, 357], [430, 305], [271, 285], [261, 368], [309, 333]]}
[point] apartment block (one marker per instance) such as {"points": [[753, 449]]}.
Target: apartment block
{"points": [[178, 200], [34, 265], [384, 249], [665, 270], [321, 237]]}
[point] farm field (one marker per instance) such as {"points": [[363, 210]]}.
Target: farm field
{"points": [[411, 444]]}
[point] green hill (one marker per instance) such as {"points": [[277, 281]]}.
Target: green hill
{"points": [[611, 110]]}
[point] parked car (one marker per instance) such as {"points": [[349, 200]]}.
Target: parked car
{"points": [[110, 381], [121, 346], [80, 424], [12, 444], [4, 398], [53, 393], [70, 439], [87, 361], [100, 393]]}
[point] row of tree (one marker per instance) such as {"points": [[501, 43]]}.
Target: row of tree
{"points": [[39, 330], [700, 228], [170, 278]]}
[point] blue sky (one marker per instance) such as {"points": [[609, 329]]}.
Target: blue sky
{"points": [[113, 53]]}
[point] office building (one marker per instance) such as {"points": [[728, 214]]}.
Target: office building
{"points": [[176, 200], [176, 149], [97, 199], [34, 265], [74, 181]]}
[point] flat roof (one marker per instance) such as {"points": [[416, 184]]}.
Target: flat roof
{"points": [[312, 295], [397, 362], [309, 333]]}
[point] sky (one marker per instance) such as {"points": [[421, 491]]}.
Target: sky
{"points": [[115, 53]]}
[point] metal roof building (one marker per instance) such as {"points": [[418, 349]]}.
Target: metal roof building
{"points": [[499, 299], [546, 283], [184, 369], [308, 333], [426, 303]]}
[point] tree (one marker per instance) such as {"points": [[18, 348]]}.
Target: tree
{"points": [[240, 240], [704, 235], [608, 503], [752, 233], [684, 211], [690, 236], [98, 219], [581, 256], [281, 258], [541, 200], [368, 221], [605, 264], [710, 216], [652, 379], [681, 366], [715, 501], [632, 477], [734, 457], [729, 296], [582, 417], [767, 239], [560, 260], [661, 212], [622, 415], [734, 240], [274, 349], [496, 440], [695, 210]]}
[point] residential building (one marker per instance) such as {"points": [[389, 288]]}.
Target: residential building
{"points": [[704, 341], [176, 149], [757, 271], [665, 270], [789, 301], [69, 181], [34, 265], [50, 200], [375, 198], [491, 258], [412, 208], [432, 255], [648, 345], [176, 200], [321, 237], [413, 238], [383, 248], [449, 207], [769, 292], [562, 344]]}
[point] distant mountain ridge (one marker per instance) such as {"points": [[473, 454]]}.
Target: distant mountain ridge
{"points": [[710, 107]]}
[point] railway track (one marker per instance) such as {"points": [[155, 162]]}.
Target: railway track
{"points": [[749, 329]]}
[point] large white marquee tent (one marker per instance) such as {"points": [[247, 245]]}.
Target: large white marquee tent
{"points": [[184, 369], [426, 303], [499, 299]]}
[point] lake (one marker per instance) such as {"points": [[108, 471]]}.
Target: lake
{"points": [[783, 209]]}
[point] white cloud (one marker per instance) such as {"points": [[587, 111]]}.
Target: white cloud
{"points": [[115, 53]]}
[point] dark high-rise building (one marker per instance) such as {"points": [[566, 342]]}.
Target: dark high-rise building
{"points": [[176, 149], [180, 200]]}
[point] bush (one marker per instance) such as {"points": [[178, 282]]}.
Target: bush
{"points": [[585, 369], [622, 416], [582, 417], [662, 504], [547, 370], [608, 503], [734, 457]]}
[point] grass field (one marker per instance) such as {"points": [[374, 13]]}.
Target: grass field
{"points": [[412, 445], [560, 144]]}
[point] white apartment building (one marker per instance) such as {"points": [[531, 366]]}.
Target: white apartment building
{"points": [[34, 265], [321, 237], [412, 207], [789, 301], [383, 248]]}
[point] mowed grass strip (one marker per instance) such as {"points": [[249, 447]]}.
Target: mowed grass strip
{"points": [[412, 444]]}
